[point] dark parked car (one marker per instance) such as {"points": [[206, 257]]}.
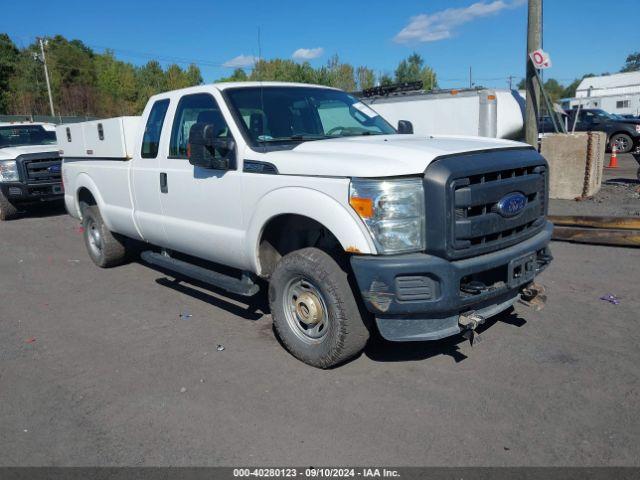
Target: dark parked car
{"points": [[624, 133]]}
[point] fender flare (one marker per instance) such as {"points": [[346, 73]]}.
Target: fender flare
{"points": [[344, 224], [84, 181]]}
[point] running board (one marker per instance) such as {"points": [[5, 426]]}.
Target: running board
{"points": [[242, 286]]}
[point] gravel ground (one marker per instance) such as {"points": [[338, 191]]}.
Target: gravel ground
{"points": [[97, 368], [619, 195]]}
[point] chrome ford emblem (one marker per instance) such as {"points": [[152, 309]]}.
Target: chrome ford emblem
{"points": [[511, 204], [54, 169]]}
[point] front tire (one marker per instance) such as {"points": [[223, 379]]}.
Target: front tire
{"points": [[7, 210], [314, 310], [104, 248], [622, 141]]}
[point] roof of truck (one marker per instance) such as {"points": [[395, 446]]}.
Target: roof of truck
{"points": [[225, 85], [228, 85]]}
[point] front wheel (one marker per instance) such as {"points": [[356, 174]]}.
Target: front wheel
{"points": [[105, 249], [8, 211], [314, 310], [622, 142]]}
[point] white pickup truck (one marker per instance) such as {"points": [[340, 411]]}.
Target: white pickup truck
{"points": [[29, 166], [353, 224]]}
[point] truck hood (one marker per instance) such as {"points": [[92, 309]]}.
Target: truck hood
{"points": [[377, 155], [11, 153], [630, 121]]}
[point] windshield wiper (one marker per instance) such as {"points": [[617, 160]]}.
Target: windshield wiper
{"points": [[295, 137]]}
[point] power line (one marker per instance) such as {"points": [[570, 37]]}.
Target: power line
{"points": [[153, 56]]}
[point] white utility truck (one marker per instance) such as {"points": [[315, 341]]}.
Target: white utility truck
{"points": [[473, 111], [29, 166], [353, 225]]}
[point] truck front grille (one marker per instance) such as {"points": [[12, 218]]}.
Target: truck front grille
{"points": [[43, 170], [465, 191], [478, 225]]}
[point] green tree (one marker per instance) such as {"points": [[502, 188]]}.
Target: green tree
{"points": [[413, 69], [554, 89], [73, 76], [365, 77], [385, 79], [632, 63], [284, 71], [116, 85], [337, 74], [570, 90], [150, 80], [9, 58], [193, 75], [238, 75]]}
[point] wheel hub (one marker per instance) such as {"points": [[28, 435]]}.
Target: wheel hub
{"points": [[306, 310], [309, 308]]}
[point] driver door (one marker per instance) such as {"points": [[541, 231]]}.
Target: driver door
{"points": [[202, 207]]}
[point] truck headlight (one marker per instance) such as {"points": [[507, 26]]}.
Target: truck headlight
{"points": [[8, 171], [393, 211]]}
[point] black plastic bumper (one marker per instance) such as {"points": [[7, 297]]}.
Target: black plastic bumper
{"points": [[420, 296], [18, 192]]}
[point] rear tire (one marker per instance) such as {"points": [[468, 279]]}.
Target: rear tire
{"points": [[622, 141], [314, 310], [104, 248], [7, 210]]}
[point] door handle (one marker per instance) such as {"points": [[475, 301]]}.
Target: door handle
{"points": [[164, 186]]}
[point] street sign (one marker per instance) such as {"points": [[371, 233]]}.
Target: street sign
{"points": [[540, 59]]}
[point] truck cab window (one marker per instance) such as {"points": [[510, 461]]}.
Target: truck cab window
{"points": [[200, 108], [151, 139]]}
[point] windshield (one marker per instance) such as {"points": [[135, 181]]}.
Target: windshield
{"points": [[272, 115], [20, 135], [603, 114]]}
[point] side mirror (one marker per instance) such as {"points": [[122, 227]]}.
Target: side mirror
{"points": [[405, 127], [203, 144]]}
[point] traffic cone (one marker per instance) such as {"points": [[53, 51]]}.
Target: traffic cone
{"points": [[613, 160]]}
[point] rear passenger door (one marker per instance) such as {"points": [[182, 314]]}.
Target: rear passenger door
{"points": [[145, 177], [202, 207]]}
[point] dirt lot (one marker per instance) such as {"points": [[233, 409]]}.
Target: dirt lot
{"points": [[97, 368], [619, 196]]}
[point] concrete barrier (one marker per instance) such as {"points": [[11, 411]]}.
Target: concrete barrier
{"points": [[575, 163]]}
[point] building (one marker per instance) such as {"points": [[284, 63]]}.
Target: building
{"points": [[617, 93]]}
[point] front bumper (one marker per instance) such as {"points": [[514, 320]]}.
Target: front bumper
{"points": [[420, 296], [18, 192]]}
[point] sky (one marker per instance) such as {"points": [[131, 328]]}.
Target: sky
{"points": [[582, 36]]}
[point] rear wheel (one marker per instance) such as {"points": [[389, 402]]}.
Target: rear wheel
{"points": [[104, 248], [7, 210], [314, 310], [622, 142]]}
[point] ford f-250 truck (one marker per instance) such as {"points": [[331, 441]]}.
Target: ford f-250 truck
{"points": [[353, 224], [29, 166]]}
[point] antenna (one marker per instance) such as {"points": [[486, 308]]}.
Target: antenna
{"points": [[259, 63]]}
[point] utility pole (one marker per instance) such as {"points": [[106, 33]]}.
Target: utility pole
{"points": [[470, 78], [46, 75], [510, 77], [534, 41]]}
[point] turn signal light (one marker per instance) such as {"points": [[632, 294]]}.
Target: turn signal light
{"points": [[364, 206]]}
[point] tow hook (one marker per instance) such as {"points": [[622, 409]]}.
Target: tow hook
{"points": [[468, 322], [533, 296]]}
